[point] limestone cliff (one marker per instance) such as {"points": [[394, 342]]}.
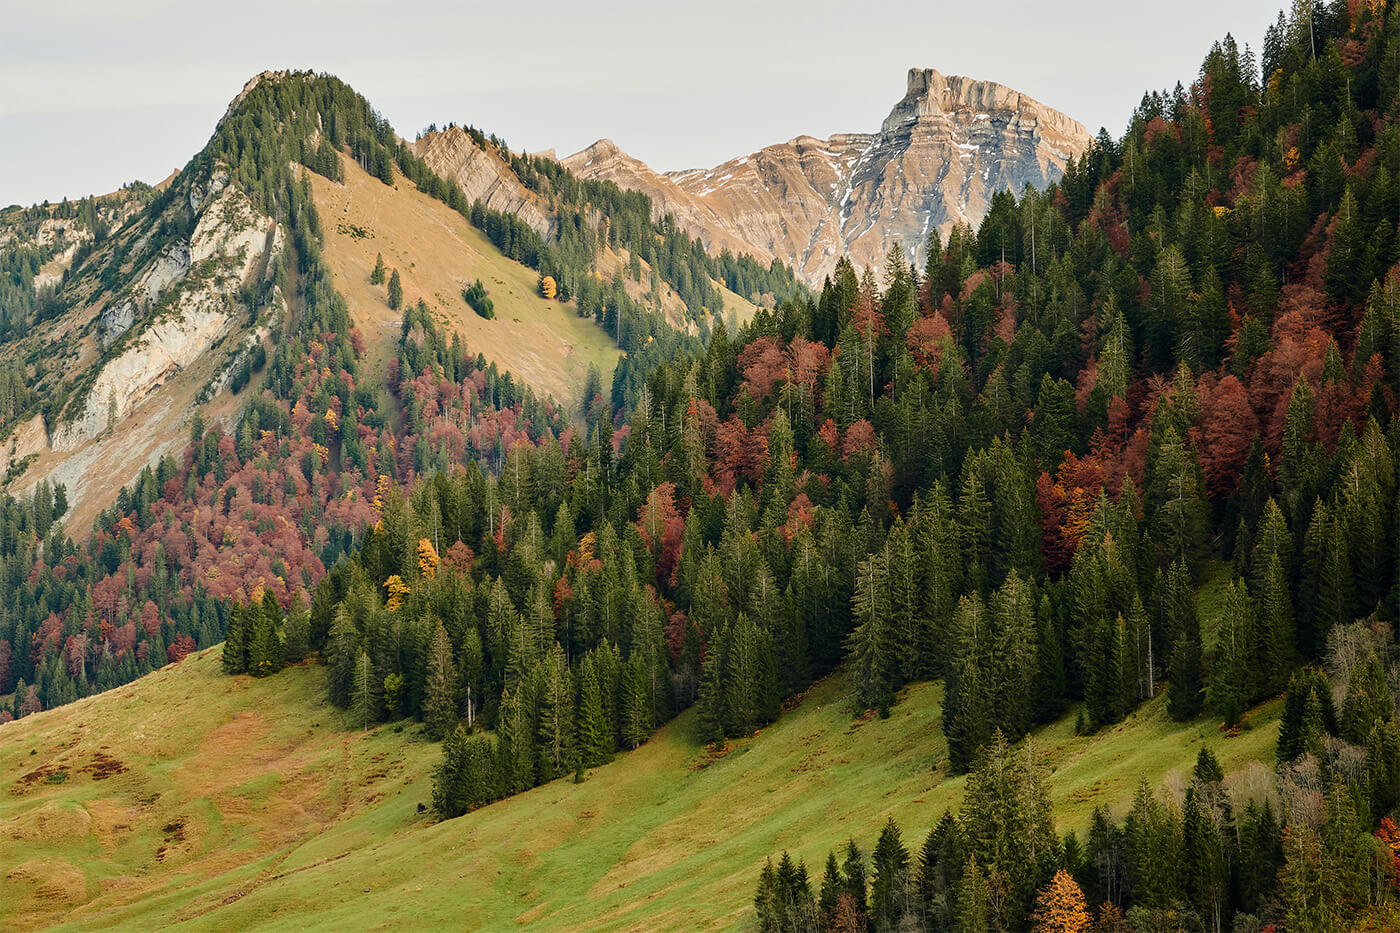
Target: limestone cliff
{"points": [[481, 175], [940, 155]]}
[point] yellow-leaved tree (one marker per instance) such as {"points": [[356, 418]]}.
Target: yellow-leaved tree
{"points": [[1060, 907], [548, 287], [397, 591]]}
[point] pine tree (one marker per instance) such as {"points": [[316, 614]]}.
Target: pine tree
{"points": [[362, 699], [342, 651], [871, 646], [235, 654], [395, 291], [440, 686], [890, 886], [1185, 692], [376, 277]]}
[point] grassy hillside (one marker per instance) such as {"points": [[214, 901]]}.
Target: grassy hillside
{"points": [[225, 803], [438, 253]]}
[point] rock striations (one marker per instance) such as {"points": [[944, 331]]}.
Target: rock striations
{"points": [[482, 176], [944, 150]]}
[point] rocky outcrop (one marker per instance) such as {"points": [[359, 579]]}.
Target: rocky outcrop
{"points": [[481, 175], [194, 287], [944, 150], [26, 440]]}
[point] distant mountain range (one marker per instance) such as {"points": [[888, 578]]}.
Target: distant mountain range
{"points": [[944, 150]]}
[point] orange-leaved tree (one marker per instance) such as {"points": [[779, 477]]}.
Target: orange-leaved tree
{"points": [[1060, 907]]}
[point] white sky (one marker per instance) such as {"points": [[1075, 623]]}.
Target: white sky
{"points": [[95, 93]]}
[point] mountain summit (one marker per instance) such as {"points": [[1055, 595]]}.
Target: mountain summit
{"points": [[940, 155]]}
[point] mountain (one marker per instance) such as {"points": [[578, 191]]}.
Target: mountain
{"points": [[937, 160], [122, 316]]}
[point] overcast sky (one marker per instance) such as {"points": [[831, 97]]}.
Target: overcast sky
{"points": [[95, 93]]}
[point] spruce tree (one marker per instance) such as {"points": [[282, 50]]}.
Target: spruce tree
{"points": [[395, 291], [265, 653], [890, 885], [635, 708], [440, 686], [872, 647], [594, 729], [362, 699], [342, 651], [1232, 669], [235, 655], [1185, 691]]}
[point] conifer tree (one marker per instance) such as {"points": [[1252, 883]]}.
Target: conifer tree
{"points": [[235, 654], [594, 730], [1232, 669], [395, 291], [1185, 692], [635, 706], [376, 276], [440, 686], [1060, 907], [265, 652], [890, 888], [872, 644], [556, 720], [362, 699], [342, 651]]}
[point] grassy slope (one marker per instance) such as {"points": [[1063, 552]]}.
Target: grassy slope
{"points": [[438, 254], [245, 803]]}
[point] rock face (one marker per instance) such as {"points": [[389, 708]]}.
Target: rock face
{"points": [[197, 282], [944, 150], [481, 175]]}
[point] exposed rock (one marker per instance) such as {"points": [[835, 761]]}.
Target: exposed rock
{"points": [[481, 175], [27, 439], [230, 239], [940, 155], [169, 268], [116, 319]]}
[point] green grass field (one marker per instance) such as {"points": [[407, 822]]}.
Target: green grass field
{"points": [[226, 803]]}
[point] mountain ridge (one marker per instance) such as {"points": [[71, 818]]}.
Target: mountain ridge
{"points": [[945, 148]]}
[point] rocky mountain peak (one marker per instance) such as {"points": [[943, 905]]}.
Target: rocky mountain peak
{"points": [[941, 153], [249, 85]]}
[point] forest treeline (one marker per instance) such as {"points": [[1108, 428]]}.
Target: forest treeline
{"points": [[1008, 466], [155, 578]]}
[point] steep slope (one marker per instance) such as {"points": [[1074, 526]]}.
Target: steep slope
{"points": [[483, 176], [437, 254], [944, 150], [157, 319], [217, 802]]}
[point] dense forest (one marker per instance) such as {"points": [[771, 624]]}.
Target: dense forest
{"points": [[1008, 466], [268, 506]]}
